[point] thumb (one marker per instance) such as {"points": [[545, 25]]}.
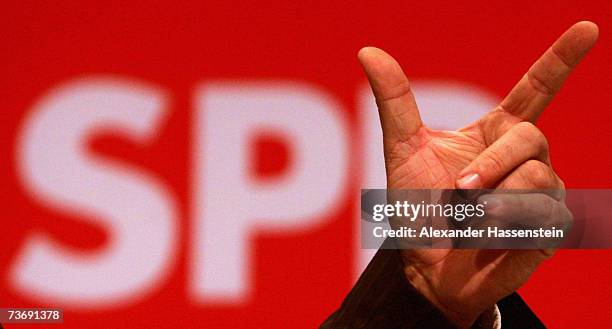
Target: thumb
{"points": [[399, 114]]}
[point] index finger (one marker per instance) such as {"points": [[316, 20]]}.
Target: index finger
{"points": [[538, 86]]}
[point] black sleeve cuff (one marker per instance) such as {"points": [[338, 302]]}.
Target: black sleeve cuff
{"points": [[383, 298]]}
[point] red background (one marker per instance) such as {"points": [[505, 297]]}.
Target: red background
{"points": [[178, 45]]}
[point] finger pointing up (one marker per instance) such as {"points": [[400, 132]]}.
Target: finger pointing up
{"points": [[397, 108], [538, 86]]}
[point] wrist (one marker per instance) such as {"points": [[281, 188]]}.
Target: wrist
{"points": [[462, 313]]}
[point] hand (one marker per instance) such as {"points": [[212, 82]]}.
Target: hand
{"points": [[503, 149]]}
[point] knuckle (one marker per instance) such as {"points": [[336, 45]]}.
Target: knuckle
{"points": [[539, 174], [529, 133], [525, 126], [567, 218], [559, 187], [560, 184], [548, 208], [540, 83]]}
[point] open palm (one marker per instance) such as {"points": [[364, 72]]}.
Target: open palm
{"points": [[463, 283]]}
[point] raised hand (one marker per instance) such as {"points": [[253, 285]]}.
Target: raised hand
{"points": [[503, 149]]}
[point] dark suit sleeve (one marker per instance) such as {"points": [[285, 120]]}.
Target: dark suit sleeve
{"points": [[515, 313], [383, 298]]}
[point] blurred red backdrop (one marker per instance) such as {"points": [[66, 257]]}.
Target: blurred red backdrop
{"points": [[295, 278]]}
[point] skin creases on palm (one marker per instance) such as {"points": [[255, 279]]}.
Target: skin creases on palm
{"points": [[432, 159]]}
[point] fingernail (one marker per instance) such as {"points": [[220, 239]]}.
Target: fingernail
{"points": [[469, 182], [491, 203]]}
